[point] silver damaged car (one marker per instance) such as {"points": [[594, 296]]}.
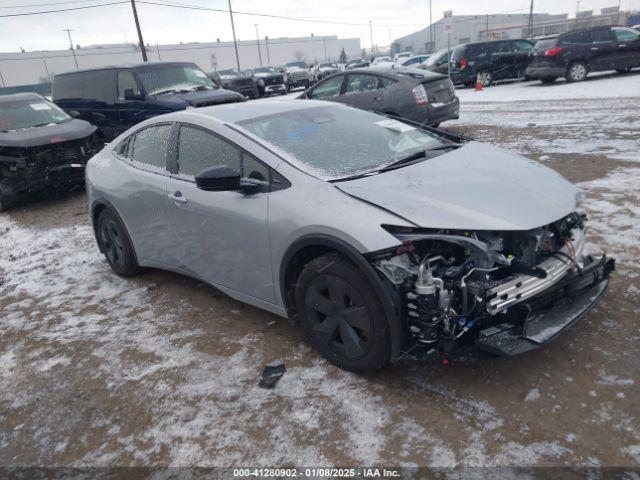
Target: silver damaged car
{"points": [[382, 239]]}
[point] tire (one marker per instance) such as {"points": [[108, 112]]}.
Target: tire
{"points": [[548, 81], [577, 71], [115, 244], [486, 78], [341, 315], [5, 203]]}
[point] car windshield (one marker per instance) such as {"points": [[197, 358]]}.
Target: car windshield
{"points": [[436, 57], [296, 65], [266, 70], [174, 78], [230, 73], [17, 115], [333, 142]]}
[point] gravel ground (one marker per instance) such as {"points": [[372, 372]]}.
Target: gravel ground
{"points": [[96, 370]]}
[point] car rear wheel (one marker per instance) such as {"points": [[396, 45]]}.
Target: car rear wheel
{"points": [[341, 315], [577, 72], [485, 78], [115, 244]]}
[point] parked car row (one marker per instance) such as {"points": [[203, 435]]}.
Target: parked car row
{"points": [[571, 55]]}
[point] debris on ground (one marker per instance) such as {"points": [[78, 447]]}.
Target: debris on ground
{"points": [[271, 374]]}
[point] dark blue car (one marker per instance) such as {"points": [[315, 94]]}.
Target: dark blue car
{"points": [[115, 98]]}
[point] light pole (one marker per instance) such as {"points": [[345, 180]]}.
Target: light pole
{"points": [[266, 44], [530, 26], [233, 32], [258, 43], [140, 41], [371, 34], [73, 51], [431, 46]]}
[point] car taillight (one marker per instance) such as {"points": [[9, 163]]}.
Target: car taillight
{"points": [[463, 63], [420, 95], [552, 52]]}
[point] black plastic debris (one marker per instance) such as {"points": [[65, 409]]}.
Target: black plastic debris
{"points": [[271, 374]]}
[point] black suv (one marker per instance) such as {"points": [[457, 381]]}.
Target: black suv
{"points": [[496, 60], [115, 98], [573, 55], [234, 80]]}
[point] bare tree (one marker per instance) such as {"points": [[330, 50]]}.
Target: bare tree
{"points": [[298, 55]]}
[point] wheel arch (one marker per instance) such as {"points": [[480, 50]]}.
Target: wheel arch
{"points": [[310, 247], [97, 207]]}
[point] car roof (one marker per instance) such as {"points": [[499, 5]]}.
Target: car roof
{"points": [[125, 66], [18, 97], [399, 72], [238, 112]]}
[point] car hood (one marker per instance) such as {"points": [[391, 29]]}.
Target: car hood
{"points": [[200, 97], [37, 136], [267, 75], [475, 187]]}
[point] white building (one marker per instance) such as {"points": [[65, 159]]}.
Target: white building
{"points": [[477, 28], [36, 67]]}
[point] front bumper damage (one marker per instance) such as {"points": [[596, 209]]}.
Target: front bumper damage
{"points": [[548, 314], [500, 292]]}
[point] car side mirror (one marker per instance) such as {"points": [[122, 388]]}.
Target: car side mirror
{"points": [[218, 178], [129, 94], [74, 113]]}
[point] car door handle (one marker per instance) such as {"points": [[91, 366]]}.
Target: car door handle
{"points": [[623, 45], [177, 197], [376, 99], [594, 48]]}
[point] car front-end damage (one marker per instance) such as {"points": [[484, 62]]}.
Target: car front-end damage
{"points": [[33, 165], [502, 292]]}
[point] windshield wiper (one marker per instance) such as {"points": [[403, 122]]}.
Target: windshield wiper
{"points": [[416, 156], [171, 90]]}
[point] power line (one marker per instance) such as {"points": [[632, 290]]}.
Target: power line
{"points": [[46, 4], [43, 12]]}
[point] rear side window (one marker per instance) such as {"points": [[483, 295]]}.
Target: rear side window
{"points": [[150, 146], [361, 83], [626, 34], [602, 35], [127, 81], [67, 87], [577, 38], [328, 88], [99, 86], [386, 82], [457, 53], [199, 149]]}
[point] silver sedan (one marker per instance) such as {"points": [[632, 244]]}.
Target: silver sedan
{"points": [[381, 238]]}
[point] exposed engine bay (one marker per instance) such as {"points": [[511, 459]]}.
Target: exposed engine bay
{"points": [[493, 290]]}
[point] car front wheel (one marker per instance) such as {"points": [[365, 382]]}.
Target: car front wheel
{"points": [[577, 72], [341, 315], [115, 244]]}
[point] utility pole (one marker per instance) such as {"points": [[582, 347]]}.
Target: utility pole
{"points": [[2, 79], [618, 16], [158, 50], [75, 60], [577, 10], [266, 44], [486, 32], [324, 44], [233, 31], [46, 68], [530, 27], [140, 41], [258, 42]]}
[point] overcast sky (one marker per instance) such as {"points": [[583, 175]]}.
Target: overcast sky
{"points": [[114, 24]]}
